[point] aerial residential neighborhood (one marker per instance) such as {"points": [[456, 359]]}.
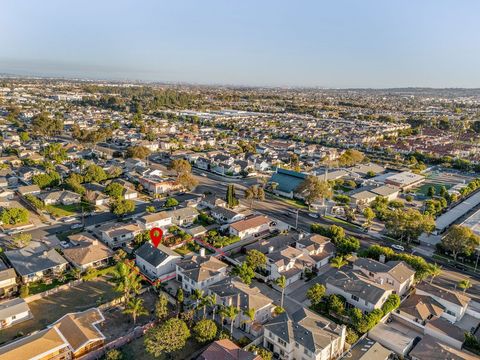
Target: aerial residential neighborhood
{"points": [[254, 180]]}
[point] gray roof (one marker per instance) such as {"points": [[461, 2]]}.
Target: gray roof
{"points": [[34, 258], [305, 327], [154, 255], [12, 307], [397, 269], [356, 284]]}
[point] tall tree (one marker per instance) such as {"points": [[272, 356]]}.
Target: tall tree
{"points": [[231, 312], [253, 193], [161, 307], [135, 308], [316, 293], [168, 337], [256, 259], [460, 240], [313, 189], [282, 284], [231, 198], [435, 270]]}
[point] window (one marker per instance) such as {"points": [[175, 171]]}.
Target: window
{"points": [[449, 312], [281, 342], [355, 298], [296, 345]]}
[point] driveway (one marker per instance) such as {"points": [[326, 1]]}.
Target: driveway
{"points": [[300, 293]]}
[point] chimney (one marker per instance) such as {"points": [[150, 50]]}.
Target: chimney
{"points": [[300, 235], [45, 253], [202, 251], [270, 249], [382, 259], [95, 242]]}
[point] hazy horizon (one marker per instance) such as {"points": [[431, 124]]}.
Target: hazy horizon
{"points": [[311, 44]]}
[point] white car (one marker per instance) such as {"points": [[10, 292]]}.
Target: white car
{"points": [[69, 220], [203, 174], [313, 215], [76, 226], [398, 247]]}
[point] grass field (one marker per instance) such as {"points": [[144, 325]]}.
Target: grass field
{"points": [[423, 190], [292, 202], [59, 211]]}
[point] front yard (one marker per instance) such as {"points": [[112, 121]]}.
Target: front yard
{"points": [[60, 211]]}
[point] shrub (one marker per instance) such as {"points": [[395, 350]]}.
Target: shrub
{"points": [[205, 330]]}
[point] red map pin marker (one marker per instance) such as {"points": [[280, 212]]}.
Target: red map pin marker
{"points": [[156, 236]]}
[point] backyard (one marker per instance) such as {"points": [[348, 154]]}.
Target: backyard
{"points": [[49, 309], [136, 351]]}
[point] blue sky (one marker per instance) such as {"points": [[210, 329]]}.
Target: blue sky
{"points": [[336, 43]]}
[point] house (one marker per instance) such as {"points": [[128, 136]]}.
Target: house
{"points": [[71, 337], [454, 302], [28, 190], [161, 219], [232, 292], [358, 290], [36, 262], [226, 349], [63, 197], [118, 235], [319, 248], [249, 227], [13, 312], [429, 348], [159, 186], [183, 216], [156, 262], [87, 252], [225, 215], [199, 272], [290, 262], [368, 194], [8, 280], [212, 201], [394, 273], [304, 335]]}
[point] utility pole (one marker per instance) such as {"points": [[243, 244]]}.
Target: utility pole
{"points": [[296, 220]]}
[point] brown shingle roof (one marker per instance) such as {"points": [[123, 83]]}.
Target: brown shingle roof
{"points": [[250, 223]]}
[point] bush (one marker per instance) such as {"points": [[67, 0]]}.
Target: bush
{"points": [[391, 304], [114, 354], [278, 310], [224, 334], [24, 291], [352, 336], [264, 353]]}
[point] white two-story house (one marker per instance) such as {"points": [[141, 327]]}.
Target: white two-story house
{"points": [[394, 273], [156, 262], [199, 272], [304, 335], [358, 290]]}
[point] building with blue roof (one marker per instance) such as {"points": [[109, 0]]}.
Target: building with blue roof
{"points": [[287, 181]]}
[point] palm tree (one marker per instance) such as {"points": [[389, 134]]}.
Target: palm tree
{"points": [[213, 300], [231, 312], [76, 273], [197, 296], [222, 311], [338, 262], [282, 283], [127, 280], [135, 308], [250, 314], [435, 270], [465, 285]]}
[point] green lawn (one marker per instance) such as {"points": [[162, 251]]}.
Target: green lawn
{"points": [[59, 211], [342, 222], [292, 202], [423, 190]]}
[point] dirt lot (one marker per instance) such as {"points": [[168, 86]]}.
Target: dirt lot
{"points": [[49, 309]]}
